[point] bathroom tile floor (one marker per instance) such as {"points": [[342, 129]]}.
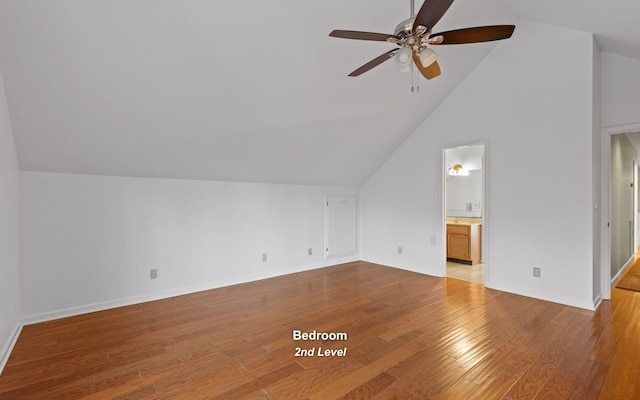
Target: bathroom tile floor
{"points": [[465, 272]]}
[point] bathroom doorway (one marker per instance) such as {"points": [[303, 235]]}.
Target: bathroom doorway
{"points": [[464, 212]]}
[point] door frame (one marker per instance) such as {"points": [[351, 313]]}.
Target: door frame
{"points": [[605, 202], [328, 252], [634, 205], [484, 232]]}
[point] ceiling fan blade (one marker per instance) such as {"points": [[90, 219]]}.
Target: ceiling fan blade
{"points": [[477, 34], [378, 37], [429, 72], [431, 12], [374, 63]]}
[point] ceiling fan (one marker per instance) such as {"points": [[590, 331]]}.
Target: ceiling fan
{"points": [[414, 37]]}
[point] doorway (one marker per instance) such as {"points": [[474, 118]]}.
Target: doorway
{"points": [[341, 230], [464, 212], [623, 195], [608, 244]]}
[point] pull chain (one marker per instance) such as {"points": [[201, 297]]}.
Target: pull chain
{"points": [[412, 79], [415, 80]]}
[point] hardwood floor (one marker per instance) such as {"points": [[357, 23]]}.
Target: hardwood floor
{"points": [[409, 337]]}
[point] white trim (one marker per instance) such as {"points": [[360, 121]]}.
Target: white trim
{"points": [[9, 345], [596, 302], [605, 214], [485, 208], [622, 270], [519, 291], [612, 130], [127, 301], [526, 292], [404, 267], [327, 199], [485, 215], [635, 204]]}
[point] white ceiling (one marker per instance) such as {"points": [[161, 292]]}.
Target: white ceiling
{"points": [[615, 23], [225, 90], [634, 138]]}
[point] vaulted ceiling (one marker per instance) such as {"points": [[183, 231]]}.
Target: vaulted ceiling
{"points": [[227, 90]]}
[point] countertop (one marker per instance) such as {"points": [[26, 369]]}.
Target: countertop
{"points": [[463, 221]]}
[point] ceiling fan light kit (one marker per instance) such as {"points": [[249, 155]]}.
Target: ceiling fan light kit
{"points": [[404, 59], [428, 57], [414, 37]]}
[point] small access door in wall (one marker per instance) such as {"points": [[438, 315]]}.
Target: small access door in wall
{"points": [[341, 233]]}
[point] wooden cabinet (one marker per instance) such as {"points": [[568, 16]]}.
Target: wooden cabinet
{"points": [[464, 243]]}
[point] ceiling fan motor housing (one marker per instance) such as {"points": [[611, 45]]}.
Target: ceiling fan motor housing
{"points": [[405, 35], [405, 28]]}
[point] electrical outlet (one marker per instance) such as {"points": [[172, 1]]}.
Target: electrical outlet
{"points": [[399, 249], [433, 240], [153, 273], [536, 272], [264, 257], [310, 251]]}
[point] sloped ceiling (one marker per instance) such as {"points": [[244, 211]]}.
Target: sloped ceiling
{"points": [[226, 90], [614, 23]]}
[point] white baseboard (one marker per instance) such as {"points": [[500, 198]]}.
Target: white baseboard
{"points": [[8, 346], [597, 301], [405, 267], [127, 301], [521, 291], [622, 270], [105, 305], [526, 292]]}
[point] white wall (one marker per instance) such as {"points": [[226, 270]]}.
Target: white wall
{"points": [[535, 115], [596, 172], [620, 90], [9, 237], [88, 242]]}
